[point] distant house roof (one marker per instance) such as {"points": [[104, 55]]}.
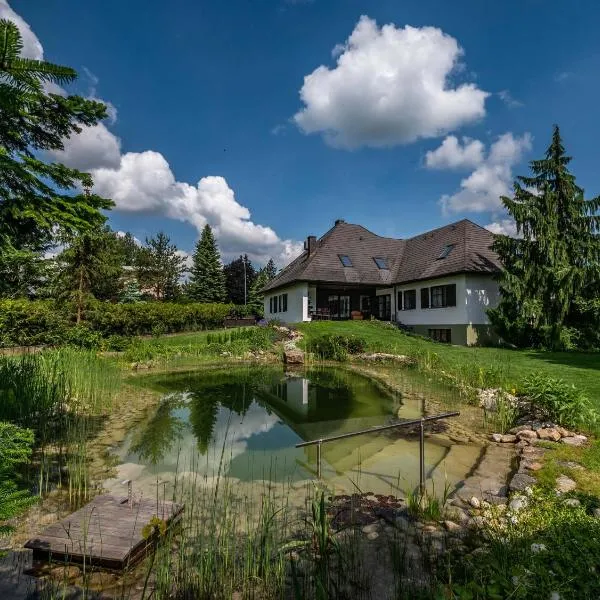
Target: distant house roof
{"points": [[462, 247]]}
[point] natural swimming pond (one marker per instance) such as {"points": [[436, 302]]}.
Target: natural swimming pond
{"points": [[245, 423]]}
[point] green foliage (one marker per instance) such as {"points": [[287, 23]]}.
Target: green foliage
{"points": [[159, 267], [551, 551], [131, 293], [256, 297], [21, 272], [557, 401], [556, 263], [426, 505], [43, 322], [207, 280], [337, 347], [36, 198], [15, 449], [239, 277]]}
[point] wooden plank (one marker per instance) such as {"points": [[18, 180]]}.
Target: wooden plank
{"points": [[106, 532]]}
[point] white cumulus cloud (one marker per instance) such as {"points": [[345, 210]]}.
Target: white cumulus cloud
{"points": [[452, 155], [390, 86], [32, 48], [492, 176], [142, 182], [503, 227]]}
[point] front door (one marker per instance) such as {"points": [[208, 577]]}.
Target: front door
{"points": [[339, 307], [384, 307]]}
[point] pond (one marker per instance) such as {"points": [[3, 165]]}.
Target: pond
{"points": [[244, 424]]}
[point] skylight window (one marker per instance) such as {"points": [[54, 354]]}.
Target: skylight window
{"points": [[446, 251], [381, 262], [345, 260]]}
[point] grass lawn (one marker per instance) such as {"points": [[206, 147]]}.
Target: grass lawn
{"points": [[495, 366]]}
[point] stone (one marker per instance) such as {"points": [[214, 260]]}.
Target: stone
{"points": [[527, 434], [564, 432], [476, 522], [572, 502], [535, 548], [596, 513], [475, 502], [570, 464], [518, 429], [373, 527], [429, 528], [497, 437], [508, 438], [99, 579], [565, 484], [372, 536], [520, 482], [549, 434], [518, 503], [456, 514], [452, 526], [575, 440], [293, 357], [533, 466]]}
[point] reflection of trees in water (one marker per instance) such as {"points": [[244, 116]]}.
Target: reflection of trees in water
{"points": [[162, 430], [205, 402]]}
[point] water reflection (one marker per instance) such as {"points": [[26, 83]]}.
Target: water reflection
{"points": [[245, 424]]}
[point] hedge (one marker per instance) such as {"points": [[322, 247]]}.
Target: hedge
{"points": [[41, 322]]}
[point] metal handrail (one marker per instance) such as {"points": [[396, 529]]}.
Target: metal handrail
{"points": [[421, 422]]}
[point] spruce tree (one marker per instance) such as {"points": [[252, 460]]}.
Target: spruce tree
{"points": [[207, 281], [547, 271], [271, 269]]}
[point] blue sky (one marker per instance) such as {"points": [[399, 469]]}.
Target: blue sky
{"points": [[269, 119]]}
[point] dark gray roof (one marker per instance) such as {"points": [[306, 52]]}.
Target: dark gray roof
{"points": [[413, 259]]}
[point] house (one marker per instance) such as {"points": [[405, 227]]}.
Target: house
{"points": [[439, 284]]}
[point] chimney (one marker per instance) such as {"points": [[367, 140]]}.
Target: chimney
{"points": [[311, 244], [339, 221]]}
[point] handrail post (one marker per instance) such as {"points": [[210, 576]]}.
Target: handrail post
{"points": [[319, 459], [421, 458]]}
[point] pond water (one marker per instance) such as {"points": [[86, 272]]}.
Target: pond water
{"points": [[245, 423]]}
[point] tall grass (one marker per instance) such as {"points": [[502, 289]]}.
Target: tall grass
{"points": [[62, 396]]}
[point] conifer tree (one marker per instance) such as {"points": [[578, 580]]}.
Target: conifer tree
{"points": [[547, 271], [256, 296], [207, 281], [271, 269]]}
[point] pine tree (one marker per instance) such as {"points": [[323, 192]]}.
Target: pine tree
{"points": [[548, 270], [271, 270], [207, 281]]}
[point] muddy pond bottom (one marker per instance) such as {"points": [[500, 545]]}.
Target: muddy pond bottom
{"points": [[243, 425]]}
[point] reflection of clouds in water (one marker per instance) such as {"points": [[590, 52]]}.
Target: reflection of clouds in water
{"points": [[231, 434], [229, 440]]}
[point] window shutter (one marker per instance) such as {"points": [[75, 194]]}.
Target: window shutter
{"points": [[271, 304], [451, 295], [284, 297], [424, 297], [399, 302]]}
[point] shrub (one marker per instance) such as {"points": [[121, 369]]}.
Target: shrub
{"points": [[551, 551], [337, 347], [45, 322], [556, 400]]}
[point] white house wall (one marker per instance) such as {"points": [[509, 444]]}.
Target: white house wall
{"points": [[297, 304], [451, 315]]}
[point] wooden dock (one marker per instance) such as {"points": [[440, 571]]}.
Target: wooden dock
{"points": [[106, 533]]}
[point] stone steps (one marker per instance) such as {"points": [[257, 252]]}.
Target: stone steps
{"points": [[489, 480]]}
